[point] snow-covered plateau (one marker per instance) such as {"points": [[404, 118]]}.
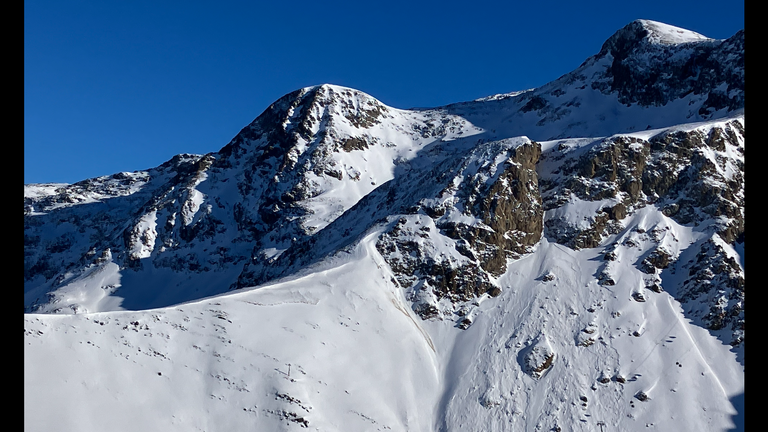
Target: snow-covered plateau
{"points": [[565, 258]]}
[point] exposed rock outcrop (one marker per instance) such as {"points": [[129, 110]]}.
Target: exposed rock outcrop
{"points": [[714, 290], [693, 175], [489, 212]]}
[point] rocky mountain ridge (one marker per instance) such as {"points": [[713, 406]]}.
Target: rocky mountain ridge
{"points": [[266, 204]]}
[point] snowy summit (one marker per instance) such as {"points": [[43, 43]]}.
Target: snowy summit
{"points": [[667, 34]]}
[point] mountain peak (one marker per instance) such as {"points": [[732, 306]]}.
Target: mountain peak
{"points": [[667, 34], [329, 92], [643, 31]]}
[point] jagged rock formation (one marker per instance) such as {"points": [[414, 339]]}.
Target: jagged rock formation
{"points": [[488, 212], [279, 181], [714, 291], [691, 175]]}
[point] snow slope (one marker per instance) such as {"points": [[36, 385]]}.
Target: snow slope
{"points": [[360, 359], [357, 360]]}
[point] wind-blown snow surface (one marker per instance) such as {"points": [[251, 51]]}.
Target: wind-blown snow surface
{"points": [[359, 358]]}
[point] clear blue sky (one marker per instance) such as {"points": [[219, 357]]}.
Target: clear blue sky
{"points": [[114, 86]]}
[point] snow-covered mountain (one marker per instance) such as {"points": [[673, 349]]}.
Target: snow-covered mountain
{"points": [[541, 260]]}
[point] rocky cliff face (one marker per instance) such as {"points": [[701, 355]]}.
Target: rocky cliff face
{"points": [[458, 192], [695, 176], [692, 176], [447, 252]]}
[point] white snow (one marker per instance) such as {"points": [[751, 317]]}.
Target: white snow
{"points": [[146, 235], [360, 360], [668, 34], [89, 291], [579, 213]]}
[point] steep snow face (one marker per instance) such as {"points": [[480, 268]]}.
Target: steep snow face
{"points": [[338, 348], [374, 139], [315, 153], [69, 229], [323, 351], [558, 351], [694, 174]]}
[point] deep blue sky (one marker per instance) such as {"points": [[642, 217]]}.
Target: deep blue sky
{"points": [[122, 85]]}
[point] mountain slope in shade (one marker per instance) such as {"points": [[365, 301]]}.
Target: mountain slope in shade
{"points": [[539, 260]]}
